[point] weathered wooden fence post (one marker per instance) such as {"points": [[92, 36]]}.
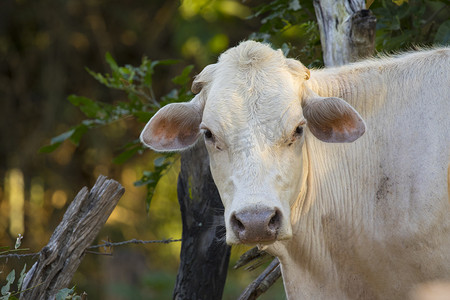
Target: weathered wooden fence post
{"points": [[81, 223]]}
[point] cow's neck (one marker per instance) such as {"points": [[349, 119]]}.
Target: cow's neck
{"points": [[353, 85], [319, 219]]}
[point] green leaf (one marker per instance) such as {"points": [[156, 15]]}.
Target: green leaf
{"points": [[11, 276], [9, 280], [56, 141], [294, 5], [111, 62], [184, 77], [5, 289], [149, 67], [62, 137], [74, 135], [22, 277], [64, 293], [143, 116], [78, 132], [126, 155], [127, 70], [99, 77], [443, 34], [151, 178], [49, 148], [148, 77], [159, 161], [86, 105]]}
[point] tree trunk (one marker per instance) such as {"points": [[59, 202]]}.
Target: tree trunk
{"points": [[347, 30], [204, 253]]}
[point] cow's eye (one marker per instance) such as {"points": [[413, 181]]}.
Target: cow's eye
{"points": [[298, 132], [210, 138], [208, 134]]}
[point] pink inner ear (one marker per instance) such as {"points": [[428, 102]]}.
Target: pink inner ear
{"points": [[174, 127], [175, 133], [347, 128], [333, 120]]}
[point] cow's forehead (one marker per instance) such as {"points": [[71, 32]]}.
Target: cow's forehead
{"points": [[267, 110], [251, 87], [264, 101]]}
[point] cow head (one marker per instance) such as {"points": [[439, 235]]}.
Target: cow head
{"points": [[254, 110]]}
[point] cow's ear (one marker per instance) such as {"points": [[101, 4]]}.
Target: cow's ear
{"points": [[297, 68], [174, 127], [203, 78], [333, 120]]}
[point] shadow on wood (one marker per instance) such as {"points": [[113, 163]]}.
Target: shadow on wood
{"points": [[204, 253]]}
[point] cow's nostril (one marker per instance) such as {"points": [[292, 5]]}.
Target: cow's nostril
{"points": [[275, 221], [237, 225]]}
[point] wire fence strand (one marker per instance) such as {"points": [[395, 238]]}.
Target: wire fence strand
{"points": [[105, 244]]}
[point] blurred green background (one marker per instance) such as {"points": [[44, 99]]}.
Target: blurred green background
{"points": [[45, 47]]}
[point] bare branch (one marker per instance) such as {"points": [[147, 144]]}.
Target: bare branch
{"points": [[263, 282], [253, 256]]}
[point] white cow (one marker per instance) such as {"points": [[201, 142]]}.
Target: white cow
{"points": [[361, 220]]}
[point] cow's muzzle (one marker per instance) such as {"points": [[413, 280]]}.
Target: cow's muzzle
{"points": [[260, 225]]}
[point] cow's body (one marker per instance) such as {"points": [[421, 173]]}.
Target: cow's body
{"points": [[368, 219]]}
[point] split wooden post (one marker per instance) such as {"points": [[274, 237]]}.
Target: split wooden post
{"points": [[81, 223]]}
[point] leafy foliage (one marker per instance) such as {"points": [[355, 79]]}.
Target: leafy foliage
{"points": [[142, 104], [67, 294], [9, 280], [6, 293], [151, 178], [417, 22], [278, 17]]}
